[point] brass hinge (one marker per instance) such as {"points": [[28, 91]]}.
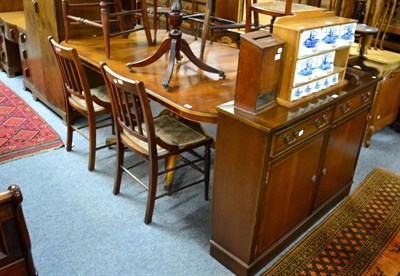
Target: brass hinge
{"points": [[266, 178], [255, 250]]}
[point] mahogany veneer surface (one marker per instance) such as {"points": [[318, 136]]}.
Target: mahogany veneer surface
{"points": [[195, 93]]}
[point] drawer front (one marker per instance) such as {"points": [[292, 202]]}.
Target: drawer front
{"points": [[23, 51], [294, 134], [353, 103], [10, 32], [3, 56]]}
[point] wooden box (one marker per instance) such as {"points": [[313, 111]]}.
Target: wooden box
{"points": [[259, 70]]}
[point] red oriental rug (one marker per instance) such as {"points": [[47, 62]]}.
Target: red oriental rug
{"points": [[361, 237], [22, 131]]}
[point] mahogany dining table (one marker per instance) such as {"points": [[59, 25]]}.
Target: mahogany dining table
{"points": [[194, 95]]}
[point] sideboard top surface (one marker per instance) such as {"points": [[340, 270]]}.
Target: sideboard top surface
{"points": [[278, 116]]}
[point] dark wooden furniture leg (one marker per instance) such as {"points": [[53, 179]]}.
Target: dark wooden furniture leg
{"points": [[396, 124], [174, 45], [206, 28]]}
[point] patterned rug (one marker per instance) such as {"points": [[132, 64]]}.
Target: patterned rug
{"points": [[22, 131], [361, 237]]}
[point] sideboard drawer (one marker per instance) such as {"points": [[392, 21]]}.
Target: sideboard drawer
{"points": [[10, 31], [23, 51], [294, 134], [353, 103]]}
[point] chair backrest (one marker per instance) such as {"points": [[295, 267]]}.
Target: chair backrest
{"points": [[131, 110], [347, 9], [15, 243], [117, 14], [380, 14], [73, 74]]}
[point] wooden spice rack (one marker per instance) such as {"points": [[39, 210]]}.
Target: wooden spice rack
{"points": [[292, 30]]}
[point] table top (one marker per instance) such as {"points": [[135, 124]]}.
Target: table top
{"points": [[16, 18], [277, 8], [195, 93]]}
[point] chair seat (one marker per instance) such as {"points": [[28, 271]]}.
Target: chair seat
{"points": [[100, 92], [172, 132], [175, 132], [383, 60]]}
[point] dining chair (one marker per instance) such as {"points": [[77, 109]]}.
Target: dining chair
{"points": [[210, 22], [92, 103], [160, 9], [15, 243], [117, 17], [153, 138]]}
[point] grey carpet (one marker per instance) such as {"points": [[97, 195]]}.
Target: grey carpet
{"points": [[78, 227]]}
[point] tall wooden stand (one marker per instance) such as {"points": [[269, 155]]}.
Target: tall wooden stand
{"points": [[174, 45]]}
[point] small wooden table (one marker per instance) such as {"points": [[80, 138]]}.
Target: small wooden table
{"points": [[195, 94]]}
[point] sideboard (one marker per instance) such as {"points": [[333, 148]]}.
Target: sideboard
{"points": [[277, 172], [40, 69]]}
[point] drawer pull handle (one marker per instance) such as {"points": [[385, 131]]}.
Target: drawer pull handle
{"points": [[24, 53], [287, 139], [22, 37], [314, 178], [35, 6], [12, 33], [27, 72], [365, 97], [296, 134], [320, 124], [345, 107]]}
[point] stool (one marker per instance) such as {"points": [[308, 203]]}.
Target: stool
{"points": [[364, 31]]}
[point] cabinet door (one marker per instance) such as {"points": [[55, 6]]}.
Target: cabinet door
{"points": [[40, 23], [386, 104], [32, 48], [288, 193], [341, 156]]}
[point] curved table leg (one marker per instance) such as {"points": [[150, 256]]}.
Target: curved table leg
{"points": [[185, 48], [164, 47]]}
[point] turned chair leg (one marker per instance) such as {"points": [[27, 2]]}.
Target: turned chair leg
{"points": [[119, 164], [92, 143], [207, 161], [152, 190], [69, 122]]}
